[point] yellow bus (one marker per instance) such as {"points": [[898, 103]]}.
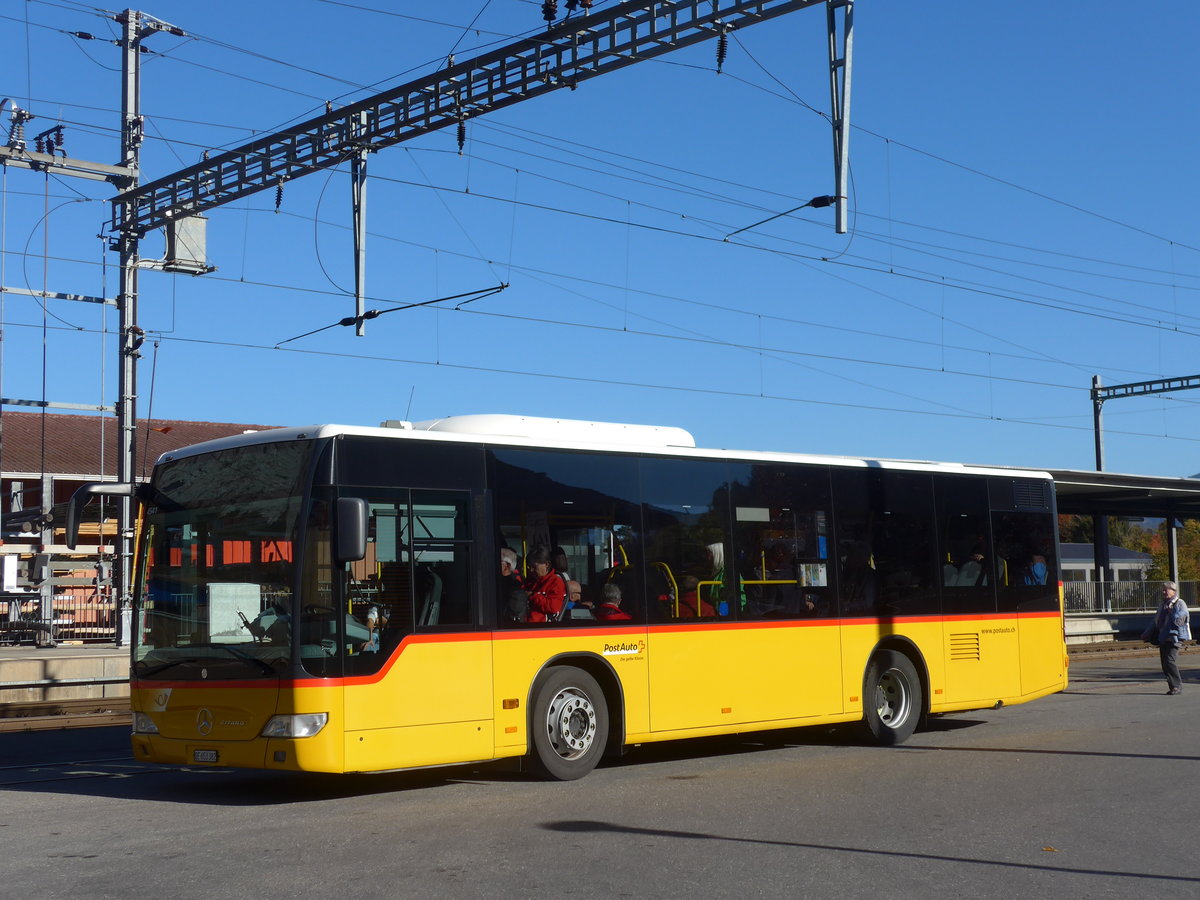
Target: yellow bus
{"points": [[330, 599]]}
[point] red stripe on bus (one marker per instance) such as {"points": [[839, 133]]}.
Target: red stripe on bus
{"points": [[548, 633]]}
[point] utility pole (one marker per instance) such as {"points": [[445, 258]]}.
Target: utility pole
{"points": [[136, 26], [130, 334], [1099, 520]]}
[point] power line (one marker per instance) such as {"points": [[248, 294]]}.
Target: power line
{"points": [[688, 389], [881, 239], [1056, 360], [877, 266], [585, 151]]}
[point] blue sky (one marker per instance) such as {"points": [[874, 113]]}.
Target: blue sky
{"points": [[1023, 217]]}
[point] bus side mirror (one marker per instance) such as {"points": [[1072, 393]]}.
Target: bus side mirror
{"points": [[351, 528], [83, 494]]}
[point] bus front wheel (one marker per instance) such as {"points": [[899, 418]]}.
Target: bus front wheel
{"points": [[892, 702], [569, 724]]}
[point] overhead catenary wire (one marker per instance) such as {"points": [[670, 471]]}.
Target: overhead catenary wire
{"points": [[943, 231], [1057, 360], [880, 267], [688, 389], [906, 241]]}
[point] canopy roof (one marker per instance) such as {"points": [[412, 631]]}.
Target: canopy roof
{"points": [[1114, 494]]}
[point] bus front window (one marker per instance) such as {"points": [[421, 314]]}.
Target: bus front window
{"points": [[218, 565]]}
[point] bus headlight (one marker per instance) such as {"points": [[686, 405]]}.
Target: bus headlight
{"points": [[300, 725], [143, 724]]}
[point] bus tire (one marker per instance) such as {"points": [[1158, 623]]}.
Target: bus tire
{"points": [[569, 724], [892, 701]]}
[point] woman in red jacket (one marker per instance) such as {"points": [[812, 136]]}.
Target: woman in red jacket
{"points": [[547, 591]]}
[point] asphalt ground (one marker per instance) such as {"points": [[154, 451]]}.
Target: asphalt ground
{"points": [[1082, 794]]}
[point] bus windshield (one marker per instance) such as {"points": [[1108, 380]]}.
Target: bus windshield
{"points": [[218, 564]]}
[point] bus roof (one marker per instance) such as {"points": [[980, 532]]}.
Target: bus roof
{"points": [[571, 434]]}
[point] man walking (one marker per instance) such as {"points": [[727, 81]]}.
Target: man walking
{"points": [[1170, 628]]}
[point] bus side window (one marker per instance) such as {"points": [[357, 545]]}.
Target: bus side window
{"points": [[690, 564], [968, 565], [782, 529]]}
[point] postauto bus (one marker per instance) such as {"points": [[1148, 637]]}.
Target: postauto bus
{"points": [[328, 599]]}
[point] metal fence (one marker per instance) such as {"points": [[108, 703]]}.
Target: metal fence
{"points": [[77, 616], [1120, 596]]}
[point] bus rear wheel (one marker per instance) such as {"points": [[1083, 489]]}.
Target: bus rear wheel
{"points": [[569, 724], [892, 701]]}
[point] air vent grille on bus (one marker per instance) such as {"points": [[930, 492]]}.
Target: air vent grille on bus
{"points": [[964, 646], [1029, 494]]}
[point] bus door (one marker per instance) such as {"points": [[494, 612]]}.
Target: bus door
{"points": [[419, 683]]}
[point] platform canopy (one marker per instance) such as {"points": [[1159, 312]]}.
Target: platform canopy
{"points": [[1114, 494]]}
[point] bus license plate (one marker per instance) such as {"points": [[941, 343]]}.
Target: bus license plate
{"points": [[204, 756]]}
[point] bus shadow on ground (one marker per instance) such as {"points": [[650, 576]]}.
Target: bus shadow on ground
{"points": [[103, 771], [812, 736]]}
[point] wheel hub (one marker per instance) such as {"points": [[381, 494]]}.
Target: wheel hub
{"points": [[892, 698], [571, 723]]}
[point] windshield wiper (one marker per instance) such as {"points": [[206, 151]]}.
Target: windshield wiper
{"points": [[240, 654], [233, 651], [141, 670]]}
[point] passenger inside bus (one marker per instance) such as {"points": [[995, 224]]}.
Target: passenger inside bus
{"points": [[547, 591], [514, 602], [713, 588], [1036, 572], [690, 604], [973, 571], [514, 605], [561, 564], [577, 607], [374, 623], [509, 579], [610, 610]]}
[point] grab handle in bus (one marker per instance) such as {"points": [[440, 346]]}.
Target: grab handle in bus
{"points": [[351, 529], [83, 494]]}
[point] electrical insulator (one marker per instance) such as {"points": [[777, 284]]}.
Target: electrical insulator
{"points": [[586, 4], [572, 5], [38, 145], [722, 50], [278, 194], [550, 10], [462, 136]]}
